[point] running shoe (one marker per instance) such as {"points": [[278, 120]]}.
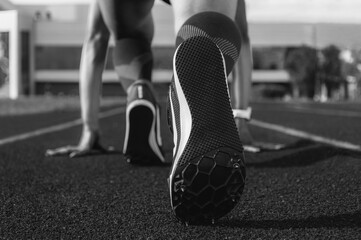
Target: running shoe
{"points": [[208, 173], [143, 142]]}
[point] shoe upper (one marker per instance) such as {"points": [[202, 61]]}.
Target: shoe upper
{"points": [[143, 142], [141, 89]]}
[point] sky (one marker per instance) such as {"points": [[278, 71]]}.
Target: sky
{"points": [[344, 11]]}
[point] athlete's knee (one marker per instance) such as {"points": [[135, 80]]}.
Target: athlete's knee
{"points": [[134, 57], [141, 27], [98, 37], [132, 19], [245, 40], [243, 29], [219, 28], [96, 46]]}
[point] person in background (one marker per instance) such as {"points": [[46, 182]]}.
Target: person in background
{"points": [[208, 171], [92, 65]]}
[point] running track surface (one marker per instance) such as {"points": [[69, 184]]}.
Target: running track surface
{"points": [[311, 190]]}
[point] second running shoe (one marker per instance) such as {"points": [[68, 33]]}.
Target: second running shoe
{"points": [[208, 173], [143, 142]]}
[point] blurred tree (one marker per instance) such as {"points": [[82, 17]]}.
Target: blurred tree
{"points": [[348, 63], [330, 69], [351, 72], [302, 65]]}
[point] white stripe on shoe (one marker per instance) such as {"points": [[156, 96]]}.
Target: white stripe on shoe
{"points": [[185, 126], [174, 126], [159, 136]]}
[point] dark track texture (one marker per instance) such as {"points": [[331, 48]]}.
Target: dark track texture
{"points": [[310, 191]]}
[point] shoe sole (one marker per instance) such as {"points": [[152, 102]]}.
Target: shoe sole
{"points": [[208, 173], [142, 134]]}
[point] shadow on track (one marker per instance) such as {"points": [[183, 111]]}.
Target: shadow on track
{"points": [[304, 153]]}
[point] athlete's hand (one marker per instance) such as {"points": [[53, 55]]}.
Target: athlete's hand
{"points": [[89, 144]]}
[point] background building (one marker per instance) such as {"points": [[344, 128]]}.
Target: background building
{"points": [[45, 38]]}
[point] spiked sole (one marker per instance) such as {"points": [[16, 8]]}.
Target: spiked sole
{"points": [[208, 173]]}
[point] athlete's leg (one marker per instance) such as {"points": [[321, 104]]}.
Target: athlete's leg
{"points": [[242, 75], [183, 10], [208, 172], [91, 68], [131, 25]]}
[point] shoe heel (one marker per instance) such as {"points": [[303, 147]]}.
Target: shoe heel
{"points": [[142, 143]]}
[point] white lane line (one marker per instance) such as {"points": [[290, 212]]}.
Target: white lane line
{"points": [[305, 135], [57, 128]]}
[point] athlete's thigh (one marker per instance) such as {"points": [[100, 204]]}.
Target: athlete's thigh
{"points": [[125, 18], [184, 9], [241, 18], [96, 25]]}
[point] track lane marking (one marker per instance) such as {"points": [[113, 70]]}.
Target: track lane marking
{"points": [[254, 122], [305, 135], [58, 127]]}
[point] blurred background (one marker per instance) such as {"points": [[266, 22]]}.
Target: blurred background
{"points": [[303, 50]]}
